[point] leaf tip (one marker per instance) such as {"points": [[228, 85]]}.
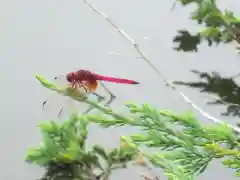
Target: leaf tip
{"points": [[39, 78]]}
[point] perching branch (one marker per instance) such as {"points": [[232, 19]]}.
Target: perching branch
{"points": [[144, 57], [183, 153]]}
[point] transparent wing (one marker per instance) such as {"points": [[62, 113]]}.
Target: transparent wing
{"points": [[58, 106]]}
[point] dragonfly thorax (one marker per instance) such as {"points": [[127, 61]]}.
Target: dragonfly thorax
{"points": [[81, 75]]}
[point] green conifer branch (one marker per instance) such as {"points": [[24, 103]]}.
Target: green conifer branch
{"points": [[185, 147], [220, 26]]}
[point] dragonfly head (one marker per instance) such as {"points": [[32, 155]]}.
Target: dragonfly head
{"points": [[71, 77]]}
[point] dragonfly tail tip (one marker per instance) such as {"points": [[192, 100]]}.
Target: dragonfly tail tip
{"points": [[136, 82]]}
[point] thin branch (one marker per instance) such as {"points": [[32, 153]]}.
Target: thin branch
{"points": [[223, 102], [136, 47], [141, 162], [150, 170]]}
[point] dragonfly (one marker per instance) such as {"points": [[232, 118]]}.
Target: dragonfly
{"points": [[89, 82]]}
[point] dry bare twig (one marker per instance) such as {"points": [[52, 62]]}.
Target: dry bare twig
{"points": [[220, 100], [136, 47], [143, 163], [145, 177]]}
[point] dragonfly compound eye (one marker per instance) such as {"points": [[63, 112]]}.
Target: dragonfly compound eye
{"points": [[70, 77]]}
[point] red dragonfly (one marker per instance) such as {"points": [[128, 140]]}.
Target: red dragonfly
{"points": [[89, 82]]}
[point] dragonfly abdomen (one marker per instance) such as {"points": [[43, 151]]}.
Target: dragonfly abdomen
{"points": [[116, 80]]}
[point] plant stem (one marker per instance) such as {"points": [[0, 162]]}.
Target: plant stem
{"points": [[225, 21]]}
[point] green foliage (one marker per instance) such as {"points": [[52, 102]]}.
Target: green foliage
{"points": [[220, 27], [64, 154], [182, 140], [187, 42], [184, 146]]}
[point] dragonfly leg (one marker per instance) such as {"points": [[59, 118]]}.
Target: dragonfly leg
{"points": [[88, 110], [100, 99], [99, 96], [84, 86], [81, 85], [112, 96], [74, 85]]}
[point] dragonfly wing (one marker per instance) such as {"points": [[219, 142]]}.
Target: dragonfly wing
{"points": [[53, 104], [99, 96], [61, 81], [57, 105]]}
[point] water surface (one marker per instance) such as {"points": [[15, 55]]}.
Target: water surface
{"points": [[54, 37]]}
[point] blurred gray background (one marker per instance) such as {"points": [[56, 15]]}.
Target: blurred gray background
{"points": [[52, 37]]}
